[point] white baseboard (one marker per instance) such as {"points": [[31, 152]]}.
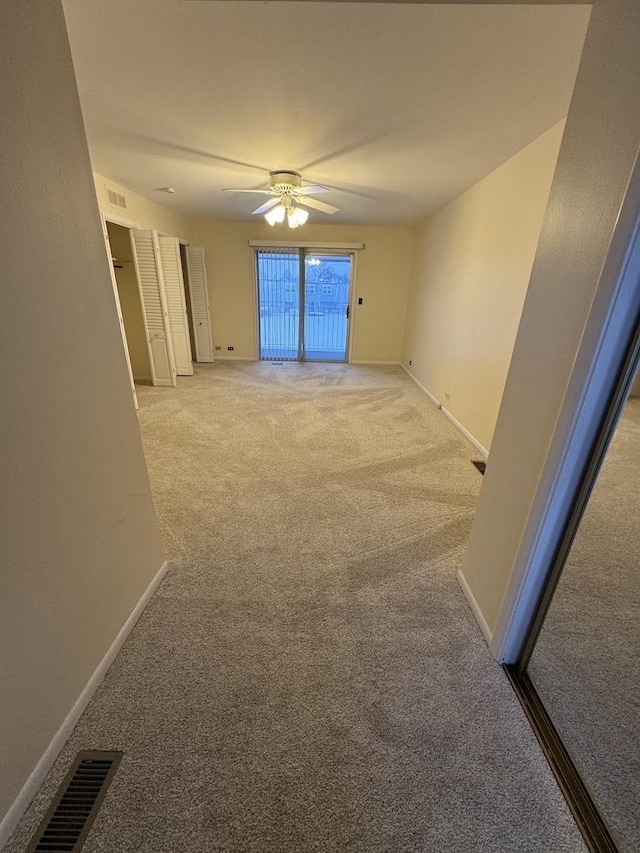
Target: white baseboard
{"points": [[233, 358], [466, 432], [454, 421], [424, 390], [35, 780], [396, 363], [473, 604]]}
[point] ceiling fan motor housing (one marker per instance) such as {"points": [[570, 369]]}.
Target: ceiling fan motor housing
{"points": [[282, 182]]}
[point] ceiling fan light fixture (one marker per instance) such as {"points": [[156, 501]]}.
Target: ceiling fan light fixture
{"points": [[275, 215], [297, 217]]}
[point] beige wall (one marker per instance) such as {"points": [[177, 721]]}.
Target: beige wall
{"points": [[383, 272], [130, 305], [590, 217], [145, 213], [79, 542], [472, 264]]}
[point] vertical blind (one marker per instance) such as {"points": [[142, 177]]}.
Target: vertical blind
{"points": [[279, 303]]}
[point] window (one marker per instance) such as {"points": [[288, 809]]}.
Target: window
{"points": [[327, 289], [311, 288]]}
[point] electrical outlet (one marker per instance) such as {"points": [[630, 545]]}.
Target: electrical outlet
{"points": [[410, 362], [230, 349], [217, 347], [447, 396]]}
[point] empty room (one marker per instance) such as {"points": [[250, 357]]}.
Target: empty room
{"points": [[318, 490]]}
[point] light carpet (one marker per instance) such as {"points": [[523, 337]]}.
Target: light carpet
{"points": [[309, 677]]}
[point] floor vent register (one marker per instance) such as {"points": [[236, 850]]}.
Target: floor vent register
{"points": [[480, 465], [66, 824]]}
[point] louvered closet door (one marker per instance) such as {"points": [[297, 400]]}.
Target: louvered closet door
{"points": [[197, 275], [146, 255], [174, 289]]}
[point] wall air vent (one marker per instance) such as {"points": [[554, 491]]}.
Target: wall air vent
{"points": [[66, 824], [116, 199]]}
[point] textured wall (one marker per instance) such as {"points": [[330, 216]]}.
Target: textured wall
{"points": [[79, 542]]}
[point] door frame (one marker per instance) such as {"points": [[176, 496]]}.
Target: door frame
{"points": [[597, 380], [311, 246]]}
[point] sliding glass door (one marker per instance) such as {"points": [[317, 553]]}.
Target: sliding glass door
{"points": [[326, 306], [303, 304]]}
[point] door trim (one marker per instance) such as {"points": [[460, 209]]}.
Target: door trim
{"points": [[305, 248], [596, 832], [302, 244]]}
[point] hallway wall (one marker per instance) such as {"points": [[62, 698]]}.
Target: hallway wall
{"points": [[383, 273], [79, 543], [471, 269]]}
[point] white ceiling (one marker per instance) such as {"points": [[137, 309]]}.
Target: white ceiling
{"points": [[398, 108]]}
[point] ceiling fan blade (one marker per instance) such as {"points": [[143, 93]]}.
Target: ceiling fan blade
{"points": [[312, 189], [234, 190], [267, 205], [316, 205]]}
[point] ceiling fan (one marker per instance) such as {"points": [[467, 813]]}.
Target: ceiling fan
{"points": [[288, 192]]}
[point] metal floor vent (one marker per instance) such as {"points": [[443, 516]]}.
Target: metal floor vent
{"points": [[65, 826], [480, 465]]}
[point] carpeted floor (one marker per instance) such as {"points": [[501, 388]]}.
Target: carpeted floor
{"points": [[586, 664], [308, 677]]}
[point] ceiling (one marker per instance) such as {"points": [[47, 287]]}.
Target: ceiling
{"points": [[398, 108]]}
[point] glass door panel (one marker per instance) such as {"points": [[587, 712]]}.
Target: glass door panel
{"points": [[279, 304], [326, 306]]}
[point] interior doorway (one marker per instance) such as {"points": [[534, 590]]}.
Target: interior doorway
{"points": [[303, 304], [130, 305]]}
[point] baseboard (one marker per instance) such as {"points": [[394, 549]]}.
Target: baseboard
{"points": [[473, 604], [389, 363], [483, 450], [143, 379], [466, 432], [233, 358], [35, 780], [424, 390]]}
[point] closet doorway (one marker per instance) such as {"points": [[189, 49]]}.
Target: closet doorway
{"points": [[130, 305], [160, 290]]}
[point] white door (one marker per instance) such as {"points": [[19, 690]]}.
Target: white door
{"points": [[146, 257], [197, 275], [116, 296], [174, 289]]}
